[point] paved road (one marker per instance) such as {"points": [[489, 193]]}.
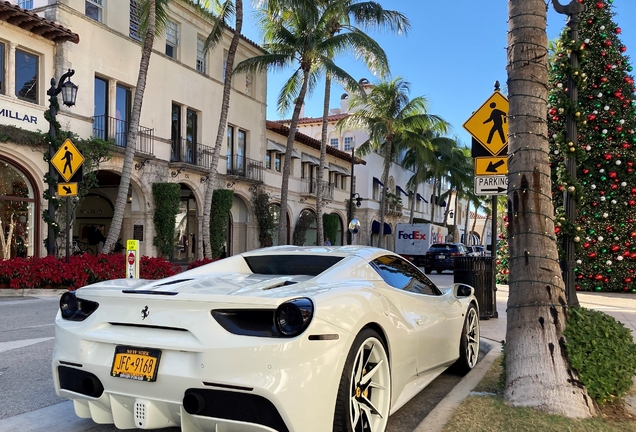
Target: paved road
{"points": [[27, 397]]}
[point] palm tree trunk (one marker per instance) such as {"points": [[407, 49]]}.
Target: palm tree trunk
{"points": [[284, 187], [133, 128], [385, 181], [321, 169], [220, 133], [433, 200], [538, 373], [467, 238], [472, 229], [417, 173]]}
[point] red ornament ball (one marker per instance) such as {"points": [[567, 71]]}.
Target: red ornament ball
{"points": [[599, 5]]}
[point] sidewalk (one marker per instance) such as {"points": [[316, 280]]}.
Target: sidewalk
{"points": [[619, 305]]}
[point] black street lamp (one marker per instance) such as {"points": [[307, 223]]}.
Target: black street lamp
{"points": [[69, 95], [567, 265]]}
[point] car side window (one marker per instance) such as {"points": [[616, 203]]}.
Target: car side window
{"points": [[402, 275]]}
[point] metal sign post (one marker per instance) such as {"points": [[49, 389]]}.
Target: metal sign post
{"points": [[132, 259]]}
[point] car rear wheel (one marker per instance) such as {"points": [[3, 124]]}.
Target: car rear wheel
{"points": [[469, 344], [439, 271], [364, 395], [428, 270]]}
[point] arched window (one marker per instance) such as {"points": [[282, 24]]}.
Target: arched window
{"points": [[18, 210]]}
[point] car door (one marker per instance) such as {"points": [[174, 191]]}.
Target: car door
{"points": [[435, 323]]}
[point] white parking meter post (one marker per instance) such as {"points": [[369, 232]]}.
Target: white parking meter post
{"points": [[132, 259]]}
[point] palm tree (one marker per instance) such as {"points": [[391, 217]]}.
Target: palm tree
{"points": [[223, 12], [459, 174], [154, 14], [538, 373], [298, 37], [392, 121], [422, 154], [366, 14]]}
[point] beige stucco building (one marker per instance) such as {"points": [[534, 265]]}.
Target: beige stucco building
{"points": [[44, 38]]}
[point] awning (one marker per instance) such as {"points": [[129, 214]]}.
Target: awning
{"points": [[280, 148], [421, 198], [375, 228], [310, 159], [399, 189], [436, 201], [377, 180], [339, 169]]}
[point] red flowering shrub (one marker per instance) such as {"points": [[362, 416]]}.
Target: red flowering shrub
{"points": [[200, 262], [81, 270], [157, 268]]}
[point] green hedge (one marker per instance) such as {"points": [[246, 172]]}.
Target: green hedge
{"points": [[167, 197], [219, 215], [602, 351], [330, 224]]}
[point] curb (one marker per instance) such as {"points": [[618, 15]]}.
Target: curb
{"points": [[31, 292], [439, 416]]}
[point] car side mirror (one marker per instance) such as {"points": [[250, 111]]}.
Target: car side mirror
{"points": [[462, 290]]}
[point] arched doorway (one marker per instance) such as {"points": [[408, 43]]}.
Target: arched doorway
{"points": [[185, 232], [19, 212], [237, 227], [93, 210], [274, 208], [340, 239]]}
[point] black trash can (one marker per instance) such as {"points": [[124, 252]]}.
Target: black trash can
{"points": [[478, 273]]}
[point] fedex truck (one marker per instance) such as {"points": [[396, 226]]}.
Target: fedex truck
{"points": [[413, 240]]}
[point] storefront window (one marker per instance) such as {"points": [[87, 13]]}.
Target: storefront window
{"points": [[17, 211]]}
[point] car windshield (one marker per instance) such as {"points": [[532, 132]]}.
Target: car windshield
{"points": [[441, 247], [310, 265]]}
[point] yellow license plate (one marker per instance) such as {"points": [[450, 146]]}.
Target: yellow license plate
{"points": [[139, 364]]}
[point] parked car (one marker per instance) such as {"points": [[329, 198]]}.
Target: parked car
{"points": [[285, 338], [440, 256], [476, 250]]}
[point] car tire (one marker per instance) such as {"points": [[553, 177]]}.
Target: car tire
{"points": [[469, 343], [439, 271], [363, 402], [428, 270]]}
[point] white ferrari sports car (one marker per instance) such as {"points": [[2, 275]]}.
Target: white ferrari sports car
{"points": [[298, 339]]}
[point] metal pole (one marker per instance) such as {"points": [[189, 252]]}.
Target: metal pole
{"points": [[572, 10], [52, 92], [68, 228], [493, 256], [353, 162]]}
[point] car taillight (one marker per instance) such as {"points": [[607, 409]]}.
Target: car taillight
{"points": [[455, 254], [76, 309]]}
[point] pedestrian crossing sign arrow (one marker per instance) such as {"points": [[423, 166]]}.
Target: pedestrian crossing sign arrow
{"points": [[489, 124], [487, 166], [67, 160], [66, 189]]}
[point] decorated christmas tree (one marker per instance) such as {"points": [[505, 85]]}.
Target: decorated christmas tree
{"points": [[605, 187], [503, 254]]}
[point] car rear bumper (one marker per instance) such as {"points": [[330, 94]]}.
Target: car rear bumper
{"points": [[237, 383]]}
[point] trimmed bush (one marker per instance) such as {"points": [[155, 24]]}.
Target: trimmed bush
{"points": [[602, 351]]}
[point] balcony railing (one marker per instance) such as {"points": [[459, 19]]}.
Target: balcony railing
{"points": [[111, 128], [186, 151], [309, 187], [240, 166]]}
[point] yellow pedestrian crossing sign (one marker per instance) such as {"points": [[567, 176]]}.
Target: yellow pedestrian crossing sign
{"points": [[66, 189], [489, 124], [67, 160]]}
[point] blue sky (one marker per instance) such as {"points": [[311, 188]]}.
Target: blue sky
{"points": [[453, 54]]}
